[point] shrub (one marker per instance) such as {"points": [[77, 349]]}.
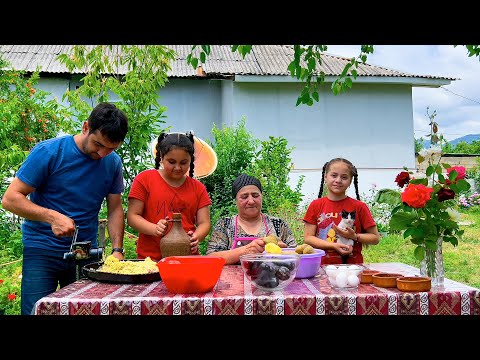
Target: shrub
{"points": [[471, 201], [381, 210], [10, 283], [238, 151], [293, 215]]}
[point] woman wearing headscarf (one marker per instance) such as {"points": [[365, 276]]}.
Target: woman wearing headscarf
{"points": [[243, 233]]}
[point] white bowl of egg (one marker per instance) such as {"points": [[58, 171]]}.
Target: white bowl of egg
{"points": [[343, 276]]}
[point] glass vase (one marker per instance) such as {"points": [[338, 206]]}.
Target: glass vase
{"points": [[432, 265]]}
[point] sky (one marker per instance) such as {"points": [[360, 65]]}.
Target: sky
{"points": [[457, 105]]}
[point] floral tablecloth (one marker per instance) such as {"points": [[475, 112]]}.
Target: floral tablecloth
{"points": [[235, 295]]}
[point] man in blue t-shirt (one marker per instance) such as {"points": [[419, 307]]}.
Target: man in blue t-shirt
{"points": [[60, 186]]}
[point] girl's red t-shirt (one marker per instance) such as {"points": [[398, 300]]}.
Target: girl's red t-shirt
{"points": [[323, 212], [160, 199]]}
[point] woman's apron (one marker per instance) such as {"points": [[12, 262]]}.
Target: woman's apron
{"points": [[242, 241]]}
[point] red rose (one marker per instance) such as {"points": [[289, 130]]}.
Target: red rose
{"points": [[461, 173], [445, 194], [12, 297], [402, 179], [416, 195]]}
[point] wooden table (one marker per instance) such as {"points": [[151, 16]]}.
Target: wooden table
{"points": [[234, 295]]}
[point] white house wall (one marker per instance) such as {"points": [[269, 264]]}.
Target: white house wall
{"points": [[192, 105], [371, 125], [56, 87]]}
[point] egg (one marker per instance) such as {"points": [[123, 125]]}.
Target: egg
{"points": [[331, 271], [343, 276], [352, 280], [355, 270], [342, 279]]}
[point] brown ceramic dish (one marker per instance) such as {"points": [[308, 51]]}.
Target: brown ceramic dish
{"points": [[385, 280], [367, 276], [415, 283]]}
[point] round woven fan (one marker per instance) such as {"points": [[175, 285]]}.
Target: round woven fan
{"points": [[205, 157]]}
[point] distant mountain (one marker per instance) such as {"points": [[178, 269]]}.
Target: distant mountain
{"points": [[467, 138]]}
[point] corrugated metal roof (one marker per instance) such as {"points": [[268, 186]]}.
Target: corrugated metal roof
{"points": [[222, 62]]}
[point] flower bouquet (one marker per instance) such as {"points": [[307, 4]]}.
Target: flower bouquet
{"points": [[425, 208]]}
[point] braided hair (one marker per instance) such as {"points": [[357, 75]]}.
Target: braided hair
{"points": [[170, 141], [353, 173]]}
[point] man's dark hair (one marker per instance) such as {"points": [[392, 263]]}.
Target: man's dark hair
{"points": [[110, 121]]}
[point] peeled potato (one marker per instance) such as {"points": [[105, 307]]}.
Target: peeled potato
{"points": [[272, 248]]}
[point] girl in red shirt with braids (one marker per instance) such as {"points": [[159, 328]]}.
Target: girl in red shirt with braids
{"points": [[323, 225], [158, 193]]}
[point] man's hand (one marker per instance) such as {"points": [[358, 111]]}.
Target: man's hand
{"points": [[62, 225]]}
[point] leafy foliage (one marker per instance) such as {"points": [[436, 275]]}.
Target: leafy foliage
{"points": [[304, 66], [136, 94], [235, 148], [381, 202], [272, 168], [27, 118], [10, 289], [239, 152], [307, 58]]}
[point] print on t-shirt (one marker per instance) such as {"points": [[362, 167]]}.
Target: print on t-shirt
{"points": [[324, 225], [176, 205]]}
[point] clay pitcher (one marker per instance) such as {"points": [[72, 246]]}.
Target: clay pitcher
{"points": [[176, 242]]}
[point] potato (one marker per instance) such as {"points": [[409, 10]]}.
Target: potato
{"points": [[271, 239]]}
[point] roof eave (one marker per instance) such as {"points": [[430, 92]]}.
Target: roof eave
{"points": [[413, 81]]}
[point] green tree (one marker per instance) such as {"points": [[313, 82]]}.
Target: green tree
{"points": [[464, 148], [304, 66], [27, 118], [418, 144], [136, 93], [272, 166], [238, 151], [448, 148]]}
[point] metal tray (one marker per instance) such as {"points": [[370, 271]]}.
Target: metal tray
{"points": [[90, 271]]}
